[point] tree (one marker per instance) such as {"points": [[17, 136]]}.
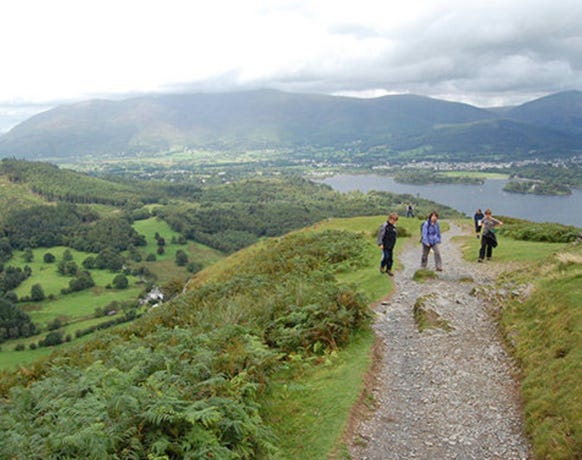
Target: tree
{"points": [[181, 258], [37, 293], [109, 258], [28, 255], [5, 250], [194, 267], [89, 262], [120, 281], [49, 258]]}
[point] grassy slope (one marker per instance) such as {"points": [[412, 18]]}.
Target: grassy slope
{"points": [[310, 409], [16, 196], [544, 332]]}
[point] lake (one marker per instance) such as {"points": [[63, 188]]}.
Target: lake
{"points": [[467, 198]]}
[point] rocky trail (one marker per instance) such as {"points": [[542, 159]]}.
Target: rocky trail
{"points": [[446, 392]]}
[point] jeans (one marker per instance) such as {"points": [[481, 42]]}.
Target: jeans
{"points": [[437, 256], [387, 259]]}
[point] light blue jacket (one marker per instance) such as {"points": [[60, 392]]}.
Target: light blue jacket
{"points": [[431, 234]]}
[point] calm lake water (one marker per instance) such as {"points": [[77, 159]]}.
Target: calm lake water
{"points": [[467, 198]]}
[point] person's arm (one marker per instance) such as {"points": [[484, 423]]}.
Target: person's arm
{"points": [[425, 233], [381, 233]]}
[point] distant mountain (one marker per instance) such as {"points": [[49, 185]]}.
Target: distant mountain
{"points": [[273, 119], [560, 111]]}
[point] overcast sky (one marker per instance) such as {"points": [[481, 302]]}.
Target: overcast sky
{"points": [[484, 52]]}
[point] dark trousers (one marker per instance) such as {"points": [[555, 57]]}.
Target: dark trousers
{"points": [[485, 247], [387, 258]]}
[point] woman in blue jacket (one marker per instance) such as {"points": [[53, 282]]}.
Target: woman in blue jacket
{"points": [[431, 238]]}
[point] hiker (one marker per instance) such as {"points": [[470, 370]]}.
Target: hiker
{"points": [[409, 211], [431, 238], [488, 238], [386, 240], [478, 217]]}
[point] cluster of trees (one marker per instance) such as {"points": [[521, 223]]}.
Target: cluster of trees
{"points": [[11, 277], [62, 185], [14, 323], [233, 216], [70, 225]]}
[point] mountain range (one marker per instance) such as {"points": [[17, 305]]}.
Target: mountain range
{"points": [[548, 127]]}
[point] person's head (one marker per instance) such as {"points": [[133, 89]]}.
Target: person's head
{"points": [[479, 211], [433, 216], [393, 217], [488, 213]]}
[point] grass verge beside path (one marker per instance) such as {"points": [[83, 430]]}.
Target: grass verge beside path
{"points": [[309, 406], [541, 319]]}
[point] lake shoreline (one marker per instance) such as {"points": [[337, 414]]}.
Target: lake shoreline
{"points": [[467, 198]]}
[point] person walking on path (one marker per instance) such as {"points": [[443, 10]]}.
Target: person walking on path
{"points": [[409, 211], [478, 217], [386, 240], [488, 238], [431, 238]]}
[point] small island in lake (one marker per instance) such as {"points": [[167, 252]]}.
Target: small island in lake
{"points": [[537, 187], [424, 177]]}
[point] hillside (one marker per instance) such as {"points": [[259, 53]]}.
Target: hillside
{"points": [[561, 112], [267, 119]]}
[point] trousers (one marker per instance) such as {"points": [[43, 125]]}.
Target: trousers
{"points": [[437, 256]]}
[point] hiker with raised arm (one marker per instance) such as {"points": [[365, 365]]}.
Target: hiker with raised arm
{"points": [[488, 237]]}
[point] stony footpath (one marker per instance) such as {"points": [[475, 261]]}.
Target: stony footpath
{"points": [[444, 393]]}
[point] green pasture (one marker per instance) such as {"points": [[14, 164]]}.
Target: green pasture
{"points": [[11, 359], [480, 174], [164, 267], [47, 275]]}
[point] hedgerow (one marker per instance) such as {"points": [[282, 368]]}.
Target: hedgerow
{"points": [[543, 232]]}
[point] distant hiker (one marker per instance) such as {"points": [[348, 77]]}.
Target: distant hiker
{"points": [[386, 240], [409, 211], [478, 217], [488, 238], [431, 238]]}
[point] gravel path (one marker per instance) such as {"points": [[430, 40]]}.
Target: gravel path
{"points": [[438, 394]]}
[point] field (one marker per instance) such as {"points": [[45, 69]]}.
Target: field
{"points": [[77, 310]]}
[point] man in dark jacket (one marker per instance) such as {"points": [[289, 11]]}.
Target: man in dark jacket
{"points": [[386, 240]]}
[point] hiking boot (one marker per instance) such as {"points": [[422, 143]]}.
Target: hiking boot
{"points": [[389, 273], [480, 260]]}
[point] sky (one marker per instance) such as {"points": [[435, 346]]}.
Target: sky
{"points": [[482, 52]]}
